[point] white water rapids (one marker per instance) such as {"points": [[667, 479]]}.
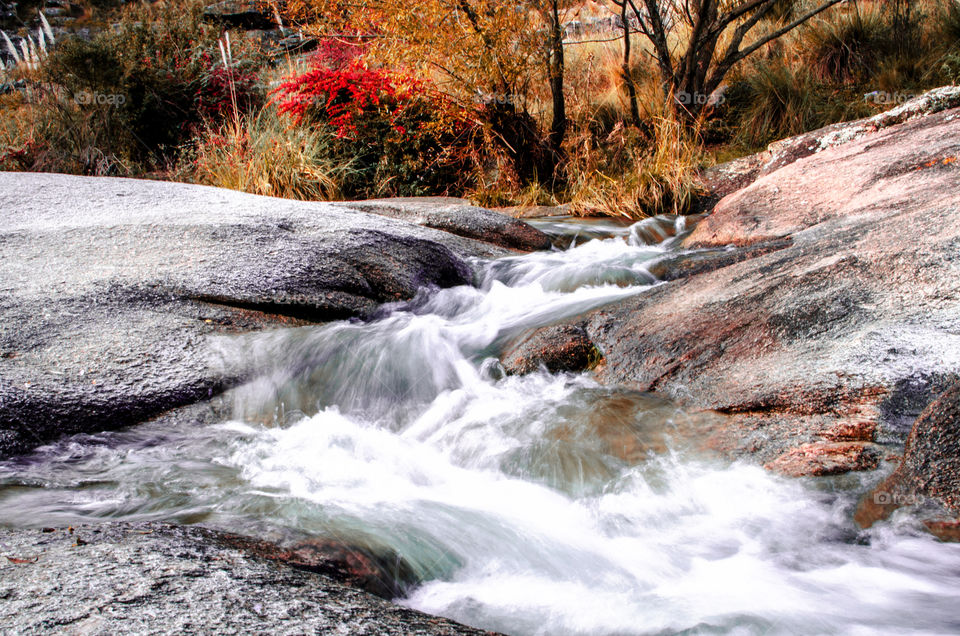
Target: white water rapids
{"points": [[542, 504]]}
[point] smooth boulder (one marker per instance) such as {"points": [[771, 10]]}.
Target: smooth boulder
{"points": [[110, 290]]}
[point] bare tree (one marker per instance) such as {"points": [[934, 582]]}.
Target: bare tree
{"points": [[625, 67], [693, 68], [555, 72]]}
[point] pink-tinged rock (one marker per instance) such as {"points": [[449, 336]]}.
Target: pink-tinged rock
{"points": [[842, 334], [913, 164], [930, 468], [825, 458]]}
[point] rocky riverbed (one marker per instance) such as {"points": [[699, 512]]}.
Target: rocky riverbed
{"points": [[291, 369], [110, 287], [821, 310]]}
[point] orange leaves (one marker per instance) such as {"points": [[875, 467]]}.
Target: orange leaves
{"points": [[935, 162]]}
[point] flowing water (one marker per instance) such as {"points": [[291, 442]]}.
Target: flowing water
{"points": [[542, 504]]}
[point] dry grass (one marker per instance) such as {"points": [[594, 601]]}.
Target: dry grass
{"points": [[43, 131], [814, 76], [654, 178], [263, 154]]}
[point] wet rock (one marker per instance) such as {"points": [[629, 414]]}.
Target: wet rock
{"points": [[840, 334], [140, 578], [930, 468], [931, 457], [110, 290], [534, 211], [459, 217], [381, 572], [689, 263], [825, 458], [561, 347], [944, 530], [563, 234]]}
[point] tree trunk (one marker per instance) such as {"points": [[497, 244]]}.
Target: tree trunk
{"points": [[558, 128], [627, 77]]}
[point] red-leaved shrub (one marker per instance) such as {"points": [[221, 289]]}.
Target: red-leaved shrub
{"points": [[403, 137]]}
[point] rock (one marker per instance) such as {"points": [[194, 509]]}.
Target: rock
{"points": [[944, 530], [825, 458], [110, 290], [726, 178], [534, 211], [564, 234], [380, 572], [930, 467], [677, 265], [139, 578], [561, 347], [238, 14], [839, 328], [909, 166], [459, 217], [294, 43], [931, 457]]}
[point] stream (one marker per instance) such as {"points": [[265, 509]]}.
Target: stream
{"points": [[537, 504]]}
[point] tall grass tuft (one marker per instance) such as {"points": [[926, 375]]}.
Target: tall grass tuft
{"points": [[641, 179], [779, 101], [846, 46], [266, 155]]}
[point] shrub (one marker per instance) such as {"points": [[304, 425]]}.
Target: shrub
{"points": [[951, 68], [125, 100], [402, 138], [336, 53]]}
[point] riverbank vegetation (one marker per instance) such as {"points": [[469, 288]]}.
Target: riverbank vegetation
{"points": [[548, 102]]}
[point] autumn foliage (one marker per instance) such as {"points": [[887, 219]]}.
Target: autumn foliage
{"points": [[344, 97], [400, 135]]}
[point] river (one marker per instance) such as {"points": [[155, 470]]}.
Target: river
{"points": [[537, 504]]}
